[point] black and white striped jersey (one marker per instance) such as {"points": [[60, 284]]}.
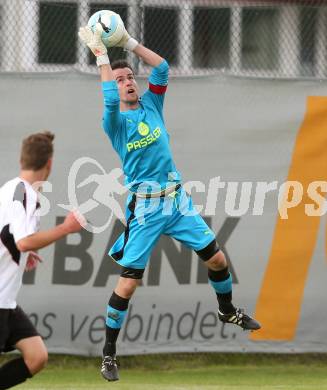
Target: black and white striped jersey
{"points": [[18, 219]]}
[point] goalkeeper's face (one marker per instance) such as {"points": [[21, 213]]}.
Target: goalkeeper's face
{"points": [[127, 86]]}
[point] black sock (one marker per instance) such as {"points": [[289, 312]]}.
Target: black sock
{"points": [[13, 372], [225, 303], [117, 303], [224, 299], [110, 344]]}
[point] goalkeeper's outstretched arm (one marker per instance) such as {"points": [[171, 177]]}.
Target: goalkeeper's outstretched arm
{"points": [[148, 56]]}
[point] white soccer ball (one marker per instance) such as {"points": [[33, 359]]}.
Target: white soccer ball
{"points": [[112, 24]]}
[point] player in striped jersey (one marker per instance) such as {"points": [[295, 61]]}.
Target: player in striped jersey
{"points": [[19, 239]]}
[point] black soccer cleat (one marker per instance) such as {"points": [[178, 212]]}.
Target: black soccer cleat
{"points": [[239, 318], [109, 369]]}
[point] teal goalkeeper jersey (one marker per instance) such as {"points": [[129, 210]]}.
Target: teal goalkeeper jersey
{"points": [[139, 136]]}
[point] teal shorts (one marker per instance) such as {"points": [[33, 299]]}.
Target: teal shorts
{"points": [[147, 219]]}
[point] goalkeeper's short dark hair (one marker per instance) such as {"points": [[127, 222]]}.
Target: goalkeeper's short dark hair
{"points": [[121, 64]]}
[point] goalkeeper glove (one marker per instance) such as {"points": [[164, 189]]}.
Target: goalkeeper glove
{"points": [[127, 42], [94, 42]]}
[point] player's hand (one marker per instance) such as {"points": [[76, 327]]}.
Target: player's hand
{"points": [[127, 42], [33, 259], [74, 222], [94, 42]]}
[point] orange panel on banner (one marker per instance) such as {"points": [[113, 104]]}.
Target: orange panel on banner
{"points": [[279, 303]]}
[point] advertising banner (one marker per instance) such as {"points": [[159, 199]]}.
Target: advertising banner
{"points": [[253, 155]]}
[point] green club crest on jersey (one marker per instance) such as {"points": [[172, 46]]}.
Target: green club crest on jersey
{"points": [[143, 129]]}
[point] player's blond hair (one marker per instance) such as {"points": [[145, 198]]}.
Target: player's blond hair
{"points": [[36, 150]]}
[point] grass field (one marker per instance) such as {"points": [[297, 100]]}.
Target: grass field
{"points": [[188, 372]]}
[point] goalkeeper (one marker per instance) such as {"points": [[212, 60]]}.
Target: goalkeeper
{"points": [[136, 129]]}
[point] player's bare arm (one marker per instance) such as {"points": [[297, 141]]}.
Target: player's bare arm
{"points": [[44, 238], [148, 56]]}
